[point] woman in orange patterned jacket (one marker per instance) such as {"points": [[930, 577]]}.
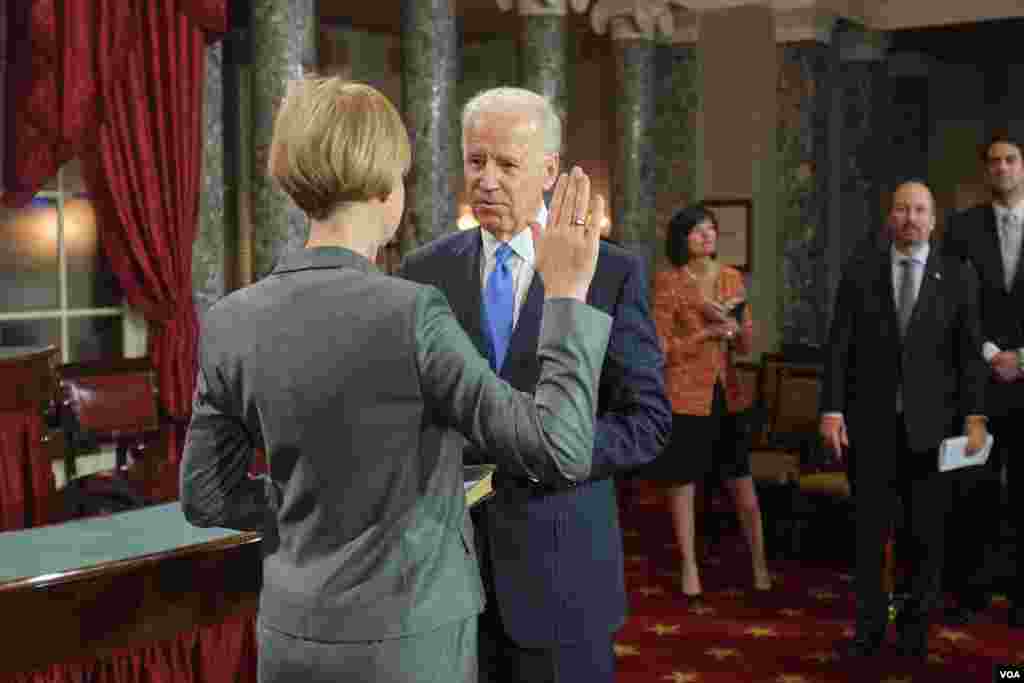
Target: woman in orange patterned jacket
{"points": [[703, 321]]}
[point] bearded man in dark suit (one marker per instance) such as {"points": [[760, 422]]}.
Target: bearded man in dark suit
{"points": [[903, 371]]}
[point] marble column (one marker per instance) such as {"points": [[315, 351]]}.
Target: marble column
{"points": [[283, 34], [543, 49], [429, 75], [807, 68], [860, 77], [208, 255], [632, 28], [676, 134]]}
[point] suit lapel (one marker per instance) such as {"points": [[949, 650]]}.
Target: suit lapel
{"points": [[464, 294], [886, 291], [527, 330], [992, 253], [928, 293]]}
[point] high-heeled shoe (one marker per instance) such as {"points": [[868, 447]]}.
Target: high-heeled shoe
{"points": [[763, 583], [693, 600]]}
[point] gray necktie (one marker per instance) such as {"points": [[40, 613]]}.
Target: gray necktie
{"points": [[1009, 237], [907, 295]]}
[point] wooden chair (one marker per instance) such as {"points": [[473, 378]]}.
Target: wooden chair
{"points": [[113, 401]]}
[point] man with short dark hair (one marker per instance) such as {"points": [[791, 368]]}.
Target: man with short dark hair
{"points": [[989, 235]]}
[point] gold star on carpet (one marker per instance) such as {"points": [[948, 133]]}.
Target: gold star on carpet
{"points": [[630, 533], [822, 657], [791, 678], [703, 611], [648, 591], [789, 612], [936, 659], [635, 558], [664, 629], [723, 653], [761, 632], [822, 594], [682, 677], [626, 650], [953, 636]]}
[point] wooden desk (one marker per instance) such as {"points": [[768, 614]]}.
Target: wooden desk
{"points": [[87, 589]]}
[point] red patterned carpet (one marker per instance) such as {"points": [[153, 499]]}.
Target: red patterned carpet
{"points": [[786, 636]]}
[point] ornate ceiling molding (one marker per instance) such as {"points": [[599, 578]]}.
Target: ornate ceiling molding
{"points": [[544, 7], [626, 19], [804, 24]]}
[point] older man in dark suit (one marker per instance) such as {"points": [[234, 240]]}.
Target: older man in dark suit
{"points": [[903, 372], [551, 557], [989, 236]]}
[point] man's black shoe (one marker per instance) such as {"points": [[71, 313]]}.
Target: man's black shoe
{"points": [[961, 615], [863, 646], [912, 640]]}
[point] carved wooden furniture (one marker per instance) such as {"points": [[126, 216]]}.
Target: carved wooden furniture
{"points": [[114, 401], [95, 592], [27, 445]]}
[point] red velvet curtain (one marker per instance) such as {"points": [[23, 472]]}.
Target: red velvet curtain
{"points": [[224, 652], [146, 179], [119, 85]]}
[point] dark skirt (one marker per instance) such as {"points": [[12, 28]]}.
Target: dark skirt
{"points": [[700, 445]]}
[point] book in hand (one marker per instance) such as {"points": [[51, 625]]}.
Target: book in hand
{"points": [[953, 453], [478, 483]]}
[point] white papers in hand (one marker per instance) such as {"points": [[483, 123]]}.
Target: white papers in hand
{"points": [[953, 453]]}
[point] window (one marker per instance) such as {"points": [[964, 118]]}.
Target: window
{"points": [[57, 286]]}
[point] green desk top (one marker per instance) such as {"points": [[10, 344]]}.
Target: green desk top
{"points": [[45, 553]]}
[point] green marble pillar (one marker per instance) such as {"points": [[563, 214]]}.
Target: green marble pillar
{"points": [[208, 257], [633, 188], [429, 74], [543, 59], [283, 36]]}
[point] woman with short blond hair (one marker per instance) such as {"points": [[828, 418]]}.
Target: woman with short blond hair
{"points": [[358, 386]]}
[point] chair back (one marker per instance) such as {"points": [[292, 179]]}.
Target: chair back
{"points": [[112, 398]]}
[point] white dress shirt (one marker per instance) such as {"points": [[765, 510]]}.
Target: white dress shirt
{"points": [[521, 262], [919, 255], [1016, 213]]}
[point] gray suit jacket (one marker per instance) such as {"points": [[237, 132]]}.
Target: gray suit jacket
{"points": [[356, 383]]}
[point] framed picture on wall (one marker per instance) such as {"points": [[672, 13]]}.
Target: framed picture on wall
{"points": [[735, 225]]}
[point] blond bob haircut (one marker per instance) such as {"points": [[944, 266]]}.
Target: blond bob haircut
{"points": [[336, 142]]}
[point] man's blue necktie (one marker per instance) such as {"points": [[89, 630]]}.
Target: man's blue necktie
{"points": [[499, 300]]}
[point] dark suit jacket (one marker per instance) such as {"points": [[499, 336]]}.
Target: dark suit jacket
{"points": [[939, 362], [355, 383], [557, 554], [973, 235]]}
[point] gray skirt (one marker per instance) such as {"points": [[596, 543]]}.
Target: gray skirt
{"points": [[445, 655]]}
